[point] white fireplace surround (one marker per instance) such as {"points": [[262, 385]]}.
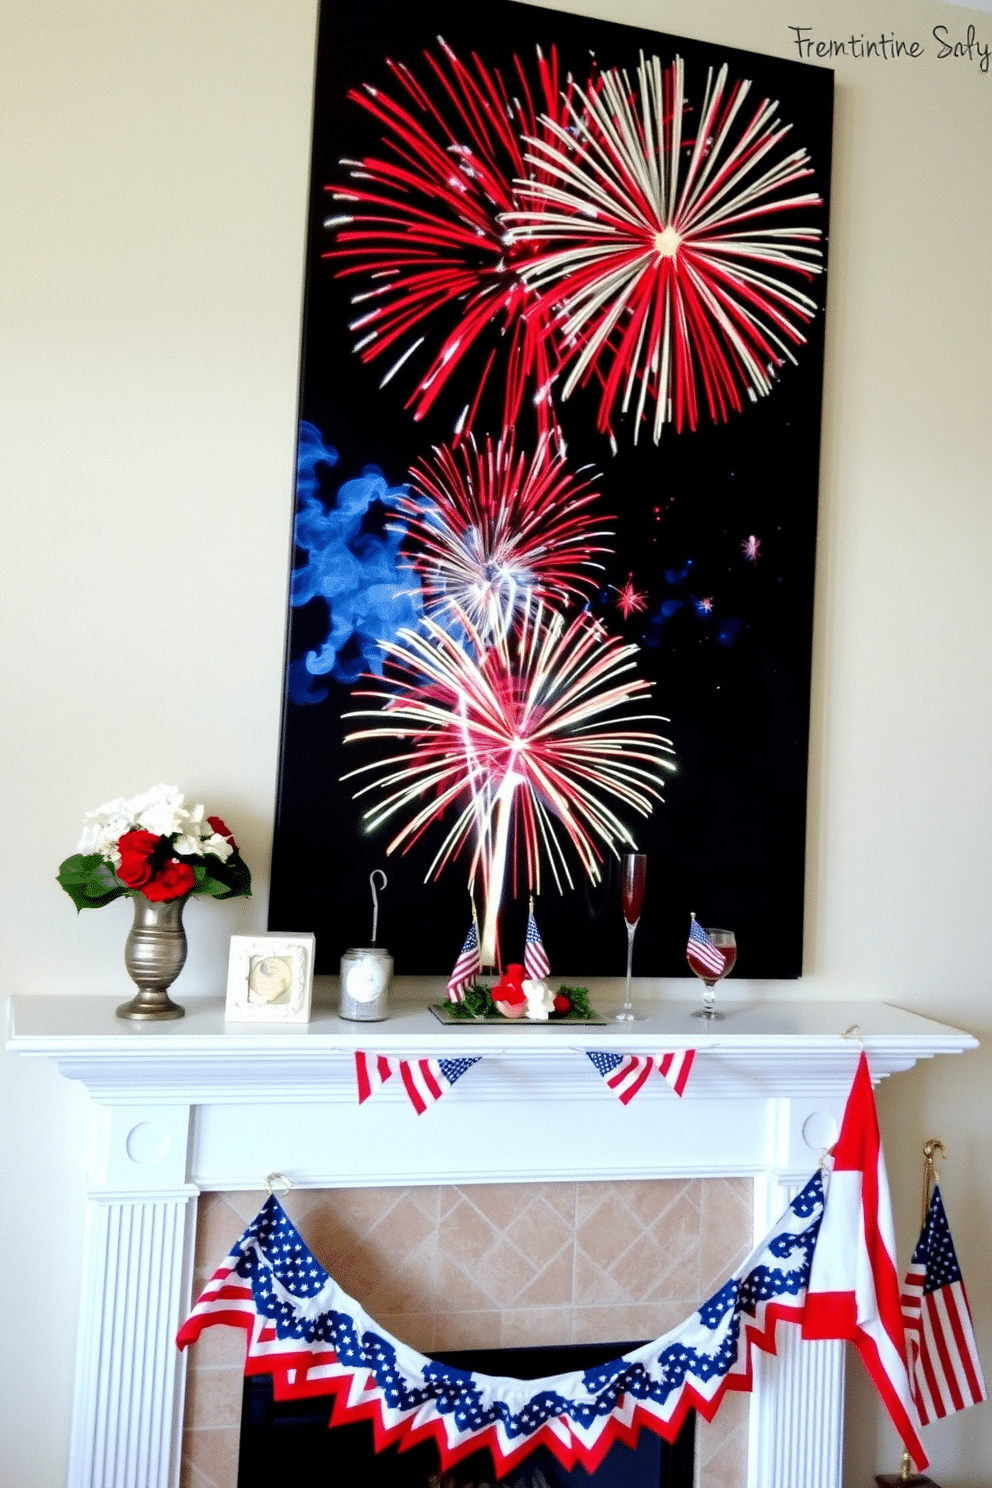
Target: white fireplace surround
{"points": [[184, 1107]]}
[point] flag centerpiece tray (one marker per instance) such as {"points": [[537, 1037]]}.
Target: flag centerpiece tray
{"points": [[447, 1014]]}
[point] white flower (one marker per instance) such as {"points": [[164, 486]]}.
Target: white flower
{"points": [[540, 1000], [158, 810], [219, 846], [103, 827], [193, 830]]}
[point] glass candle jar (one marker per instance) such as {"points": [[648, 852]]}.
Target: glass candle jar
{"points": [[365, 978]]}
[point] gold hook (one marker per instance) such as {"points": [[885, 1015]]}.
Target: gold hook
{"points": [[930, 1173], [275, 1178]]}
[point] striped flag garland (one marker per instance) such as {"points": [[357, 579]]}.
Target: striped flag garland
{"points": [[626, 1074], [371, 1071], [536, 963], [424, 1080], [944, 1369], [676, 1068], [467, 967], [313, 1339]]}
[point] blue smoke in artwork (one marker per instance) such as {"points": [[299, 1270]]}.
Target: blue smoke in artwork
{"points": [[727, 631], [353, 570]]}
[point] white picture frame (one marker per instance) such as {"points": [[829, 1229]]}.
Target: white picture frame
{"points": [[269, 979]]}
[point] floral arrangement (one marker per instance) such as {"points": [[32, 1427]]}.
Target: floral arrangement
{"points": [[484, 1002], [156, 846]]}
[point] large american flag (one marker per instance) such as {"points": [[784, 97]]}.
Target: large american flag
{"points": [[313, 1339], [944, 1368], [466, 968], [424, 1080], [536, 963], [626, 1074]]}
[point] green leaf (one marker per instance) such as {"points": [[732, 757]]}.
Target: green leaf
{"points": [[214, 887], [579, 998], [477, 1000], [78, 868], [456, 1009], [89, 881], [233, 878]]}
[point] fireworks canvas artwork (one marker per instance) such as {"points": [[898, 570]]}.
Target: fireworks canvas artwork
{"points": [[555, 508]]}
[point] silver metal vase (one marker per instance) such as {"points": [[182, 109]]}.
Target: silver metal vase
{"points": [[154, 954]]}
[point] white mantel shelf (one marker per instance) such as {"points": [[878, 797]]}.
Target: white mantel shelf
{"points": [[762, 1049], [194, 1105]]}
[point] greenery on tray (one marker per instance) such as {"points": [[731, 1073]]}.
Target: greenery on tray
{"points": [[478, 1003], [579, 998]]}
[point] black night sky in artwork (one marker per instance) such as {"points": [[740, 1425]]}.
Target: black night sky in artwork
{"points": [[713, 528]]}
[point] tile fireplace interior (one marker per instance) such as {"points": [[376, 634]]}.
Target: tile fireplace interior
{"points": [[491, 1266]]}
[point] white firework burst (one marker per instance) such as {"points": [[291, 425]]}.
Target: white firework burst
{"points": [[666, 258]]}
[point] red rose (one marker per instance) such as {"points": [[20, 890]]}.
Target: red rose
{"points": [[222, 830], [171, 881], [136, 849], [509, 988]]}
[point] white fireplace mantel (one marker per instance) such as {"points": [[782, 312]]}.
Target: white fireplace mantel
{"points": [[194, 1105]]}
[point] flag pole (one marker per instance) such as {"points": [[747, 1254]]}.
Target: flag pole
{"points": [[931, 1176]]}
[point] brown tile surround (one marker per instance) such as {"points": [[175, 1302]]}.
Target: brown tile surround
{"points": [[490, 1265]]}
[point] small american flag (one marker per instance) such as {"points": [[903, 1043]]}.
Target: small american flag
{"points": [[626, 1074], [536, 963], [424, 1080], [945, 1374], [467, 967], [702, 951]]}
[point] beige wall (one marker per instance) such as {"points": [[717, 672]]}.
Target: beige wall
{"points": [[152, 187]]}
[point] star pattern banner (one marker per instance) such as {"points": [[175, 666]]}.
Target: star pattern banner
{"points": [[316, 1340]]}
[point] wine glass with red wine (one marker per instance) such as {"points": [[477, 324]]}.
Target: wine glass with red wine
{"points": [[711, 955], [633, 881]]}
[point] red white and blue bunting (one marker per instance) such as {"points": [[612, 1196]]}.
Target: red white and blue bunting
{"points": [[315, 1340], [426, 1080], [626, 1074]]}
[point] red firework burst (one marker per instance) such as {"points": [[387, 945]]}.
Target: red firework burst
{"points": [[665, 257], [494, 534], [629, 600], [423, 222], [530, 739]]}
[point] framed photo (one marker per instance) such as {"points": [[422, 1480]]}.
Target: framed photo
{"points": [[270, 979]]}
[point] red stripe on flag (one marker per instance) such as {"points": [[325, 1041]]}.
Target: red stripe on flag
{"points": [[939, 1328], [969, 1354], [634, 1071]]}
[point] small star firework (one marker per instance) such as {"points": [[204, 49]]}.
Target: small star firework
{"points": [[527, 745], [669, 262], [751, 547], [493, 532], [630, 600], [423, 223]]}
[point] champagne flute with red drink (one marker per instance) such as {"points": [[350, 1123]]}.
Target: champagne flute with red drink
{"points": [[711, 955], [633, 882]]}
